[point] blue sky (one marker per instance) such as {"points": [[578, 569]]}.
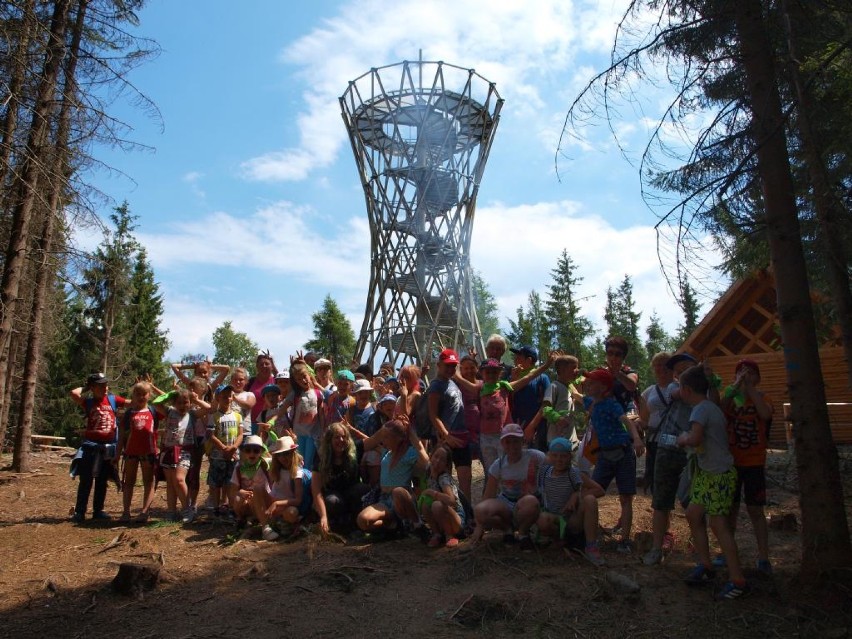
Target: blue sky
{"points": [[250, 205]]}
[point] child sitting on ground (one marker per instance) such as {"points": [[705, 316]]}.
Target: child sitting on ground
{"points": [[288, 494], [250, 476], [439, 504], [569, 501], [714, 481]]}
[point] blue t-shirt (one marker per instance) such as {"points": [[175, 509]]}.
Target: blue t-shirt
{"points": [[606, 420], [527, 401], [399, 475], [361, 417]]}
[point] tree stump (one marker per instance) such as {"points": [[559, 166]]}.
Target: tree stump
{"points": [[133, 580]]}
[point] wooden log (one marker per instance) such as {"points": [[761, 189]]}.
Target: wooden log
{"points": [[133, 580]]}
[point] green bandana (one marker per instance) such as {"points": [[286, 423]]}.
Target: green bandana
{"points": [[490, 389]]}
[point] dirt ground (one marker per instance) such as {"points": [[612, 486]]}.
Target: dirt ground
{"points": [[55, 580]]}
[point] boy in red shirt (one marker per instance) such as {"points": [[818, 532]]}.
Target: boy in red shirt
{"points": [[98, 434]]}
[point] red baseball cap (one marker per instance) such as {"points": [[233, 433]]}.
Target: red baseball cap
{"points": [[603, 376], [448, 356], [747, 363]]}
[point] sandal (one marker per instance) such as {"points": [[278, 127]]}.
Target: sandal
{"points": [[435, 540], [452, 542]]}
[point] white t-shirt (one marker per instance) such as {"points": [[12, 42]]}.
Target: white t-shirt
{"points": [[518, 479], [284, 488]]}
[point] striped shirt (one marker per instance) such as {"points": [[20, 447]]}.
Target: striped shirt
{"points": [[556, 490]]}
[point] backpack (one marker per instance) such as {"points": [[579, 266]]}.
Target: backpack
{"points": [[422, 423]]}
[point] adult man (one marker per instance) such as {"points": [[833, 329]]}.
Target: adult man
{"points": [[446, 414]]}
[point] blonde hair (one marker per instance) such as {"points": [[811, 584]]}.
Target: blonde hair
{"points": [[140, 387], [277, 466], [663, 356]]}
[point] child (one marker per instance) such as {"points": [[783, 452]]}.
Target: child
{"points": [[749, 413], [509, 499], [559, 408], [409, 393], [337, 404], [372, 459], [288, 492], [242, 399], [198, 387], [361, 411], [713, 483], [138, 444], [202, 371], [494, 403], [224, 434], [569, 501], [439, 504], [177, 445], [249, 476], [307, 419], [96, 459], [616, 458]]}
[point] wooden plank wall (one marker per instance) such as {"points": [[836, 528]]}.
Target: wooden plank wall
{"points": [[774, 384]]}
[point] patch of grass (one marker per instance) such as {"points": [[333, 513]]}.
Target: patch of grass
{"points": [[163, 523]]}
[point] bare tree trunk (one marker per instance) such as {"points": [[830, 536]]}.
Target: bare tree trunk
{"points": [[27, 186], [44, 266], [825, 531], [10, 383], [829, 210]]}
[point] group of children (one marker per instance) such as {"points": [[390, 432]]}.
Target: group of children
{"points": [[381, 452]]}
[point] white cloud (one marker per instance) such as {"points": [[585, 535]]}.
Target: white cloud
{"points": [[516, 45]]}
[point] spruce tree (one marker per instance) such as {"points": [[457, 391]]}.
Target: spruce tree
{"points": [[333, 334], [569, 329]]}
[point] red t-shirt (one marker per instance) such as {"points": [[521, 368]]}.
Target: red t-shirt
{"points": [[142, 432], [100, 419], [256, 388]]}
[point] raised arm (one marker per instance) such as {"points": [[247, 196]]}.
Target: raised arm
{"points": [[518, 384]]}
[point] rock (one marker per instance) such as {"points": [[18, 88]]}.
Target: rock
{"points": [[622, 583]]}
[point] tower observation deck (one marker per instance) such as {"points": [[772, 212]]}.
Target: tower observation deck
{"points": [[421, 133]]}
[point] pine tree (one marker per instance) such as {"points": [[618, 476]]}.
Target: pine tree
{"points": [[622, 319], [690, 307], [658, 339], [569, 329], [485, 305], [531, 326], [333, 334], [147, 342]]}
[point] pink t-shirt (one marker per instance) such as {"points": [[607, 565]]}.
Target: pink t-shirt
{"points": [[493, 412], [256, 387]]}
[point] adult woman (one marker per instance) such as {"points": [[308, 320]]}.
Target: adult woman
{"points": [[336, 483], [404, 454], [265, 372]]}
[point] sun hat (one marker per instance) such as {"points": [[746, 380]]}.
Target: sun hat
{"points": [[511, 430], [322, 363], [346, 374], [674, 360], [527, 351], [270, 388], [97, 378], [362, 385], [282, 445], [603, 376], [448, 356], [253, 440]]}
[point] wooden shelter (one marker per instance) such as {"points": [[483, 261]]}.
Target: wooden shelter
{"points": [[744, 323]]}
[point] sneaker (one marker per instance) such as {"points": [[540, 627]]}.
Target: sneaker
{"points": [[732, 591], [764, 567], [668, 542], [125, 518], [525, 543], [719, 561], [101, 516], [188, 516], [452, 542], [78, 518], [509, 538], [653, 557], [268, 534], [624, 547], [700, 575], [142, 518], [593, 554], [435, 541]]}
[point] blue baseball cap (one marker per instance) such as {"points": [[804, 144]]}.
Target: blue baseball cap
{"points": [[527, 351], [561, 445], [390, 397]]}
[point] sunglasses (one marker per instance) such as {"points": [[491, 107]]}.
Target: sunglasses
{"points": [[252, 449]]}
